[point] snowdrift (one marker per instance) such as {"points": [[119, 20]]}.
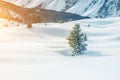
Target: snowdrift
{"points": [[43, 53]]}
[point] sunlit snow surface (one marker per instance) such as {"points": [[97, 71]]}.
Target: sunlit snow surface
{"points": [[43, 53]]}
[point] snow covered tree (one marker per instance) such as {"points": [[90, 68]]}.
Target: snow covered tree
{"points": [[77, 40]]}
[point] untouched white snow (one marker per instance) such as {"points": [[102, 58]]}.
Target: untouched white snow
{"points": [[43, 53]]}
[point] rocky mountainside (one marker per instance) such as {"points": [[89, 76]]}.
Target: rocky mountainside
{"points": [[92, 8], [34, 15]]}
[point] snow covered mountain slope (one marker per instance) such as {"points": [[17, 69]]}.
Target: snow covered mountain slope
{"points": [[43, 53], [34, 15], [92, 8]]}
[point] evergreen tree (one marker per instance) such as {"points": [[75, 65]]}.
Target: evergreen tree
{"points": [[77, 40]]}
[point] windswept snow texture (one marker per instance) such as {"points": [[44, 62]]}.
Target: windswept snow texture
{"points": [[91, 8], [43, 53]]}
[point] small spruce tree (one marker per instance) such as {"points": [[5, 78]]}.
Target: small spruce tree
{"points": [[77, 40]]}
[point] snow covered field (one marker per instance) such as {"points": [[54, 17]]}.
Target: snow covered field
{"points": [[43, 53]]}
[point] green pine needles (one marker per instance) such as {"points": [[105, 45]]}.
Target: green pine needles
{"points": [[77, 40]]}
